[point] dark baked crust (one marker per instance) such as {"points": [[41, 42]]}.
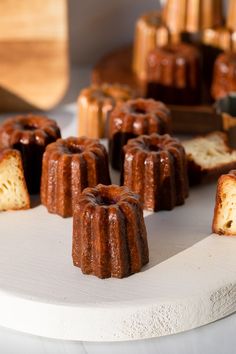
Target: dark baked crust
{"points": [[29, 134], [69, 166], [109, 234], [173, 74], [224, 78], [140, 116], [133, 118], [155, 166]]}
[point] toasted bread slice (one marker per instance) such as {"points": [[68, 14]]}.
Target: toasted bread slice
{"points": [[13, 191], [208, 157], [224, 221]]}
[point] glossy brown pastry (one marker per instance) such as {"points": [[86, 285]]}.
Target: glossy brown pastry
{"points": [[95, 103], [150, 32], [231, 15], [173, 74], [192, 15], [109, 234], [133, 118], [30, 134], [224, 76], [69, 166], [155, 167], [221, 37]]}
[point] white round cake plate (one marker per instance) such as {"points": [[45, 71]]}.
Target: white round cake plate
{"points": [[190, 279]]}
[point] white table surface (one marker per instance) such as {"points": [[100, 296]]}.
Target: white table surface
{"points": [[218, 337]]}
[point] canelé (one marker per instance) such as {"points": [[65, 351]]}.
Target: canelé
{"points": [[109, 234]]}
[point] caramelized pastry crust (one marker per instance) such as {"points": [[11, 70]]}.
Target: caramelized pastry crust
{"points": [[155, 167], [30, 134], [69, 166], [133, 118], [109, 234]]}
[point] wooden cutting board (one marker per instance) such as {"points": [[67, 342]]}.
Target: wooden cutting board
{"points": [[33, 54]]}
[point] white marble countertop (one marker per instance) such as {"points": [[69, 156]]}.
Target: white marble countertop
{"points": [[214, 338]]}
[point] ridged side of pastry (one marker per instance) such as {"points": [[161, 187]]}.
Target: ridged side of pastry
{"points": [[29, 134], [224, 80], [155, 168], [150, 31], [94, 105], [222, 37], [109, 240], [133, 118]]}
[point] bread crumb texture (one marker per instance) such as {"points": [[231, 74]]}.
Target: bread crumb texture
{"points": [[210, 151], [13, 190], [224, 222]]}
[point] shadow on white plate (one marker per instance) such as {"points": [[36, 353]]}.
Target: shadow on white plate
{"points": [[170, 232]]}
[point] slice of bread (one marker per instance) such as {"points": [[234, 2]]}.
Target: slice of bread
{"points": [[208, 157], [13, 191], [224, 221]]}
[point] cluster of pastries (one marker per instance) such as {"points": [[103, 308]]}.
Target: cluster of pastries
{"points": [[178, 48], [73, 179], [109, 234], [152, 163], [72, 174]]}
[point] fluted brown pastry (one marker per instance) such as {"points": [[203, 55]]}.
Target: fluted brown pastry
{"points": [[224, 75], [221, 37], [109, 234], [173, 74], [150, 32], [155, 167], [133, 118], [69, 166], [192, 15], [231, 15], [95, 103], [30, 134]]}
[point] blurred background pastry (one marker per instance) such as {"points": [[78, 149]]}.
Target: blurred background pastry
{"points": [[150, 32], [133, 118], [95, 103], [173, 74], [224, 78], [192, 16]]}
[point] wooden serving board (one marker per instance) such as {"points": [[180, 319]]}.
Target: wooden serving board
{"points": [[190, 279], [33, 54]]}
